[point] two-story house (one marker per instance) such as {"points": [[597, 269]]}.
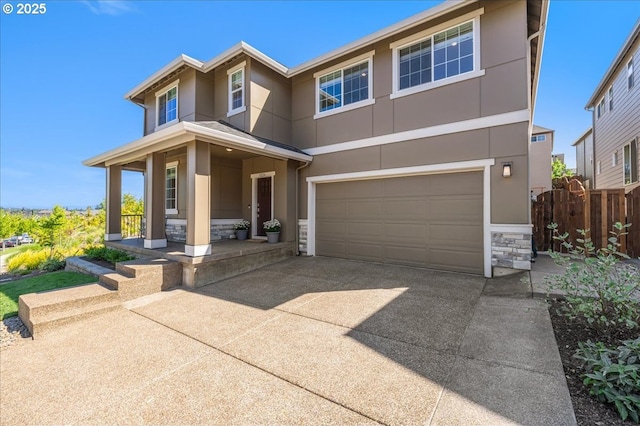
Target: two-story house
{"points": [[615, 105], [540, 159], [408, 146], [584, 157]]}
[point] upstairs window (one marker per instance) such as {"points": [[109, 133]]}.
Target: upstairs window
{"points": [[611, 98], [236, 89], [630, 74], [167, 105], [171, 197], [601, 107], [345, 86], [538, 138], [630, 166], [437, 56]]}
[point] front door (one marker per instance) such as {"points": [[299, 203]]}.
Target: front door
{"points": [[263, 197]]}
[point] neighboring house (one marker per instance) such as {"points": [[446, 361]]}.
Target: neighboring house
{"points": [[540, 159], [584, 157], [393, 148], [615, 105]]}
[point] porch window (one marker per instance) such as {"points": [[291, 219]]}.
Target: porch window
{"points": [[630, 165], [171, 198], [167, 105], [236, 89]]}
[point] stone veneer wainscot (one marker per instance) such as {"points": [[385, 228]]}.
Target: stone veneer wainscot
{"points": [[511, 250]]}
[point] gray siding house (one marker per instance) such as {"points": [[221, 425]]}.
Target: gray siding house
{"points": [[540, 159], [584, 157], [409, 146], [615, 105]]}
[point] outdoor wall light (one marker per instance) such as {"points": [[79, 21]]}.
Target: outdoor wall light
{"points": [[229, 150], [506, 170]]}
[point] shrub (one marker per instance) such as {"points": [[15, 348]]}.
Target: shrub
{"points": [[27, 260], [613, 375], [598, 287], [106, 254], [52, 265]]}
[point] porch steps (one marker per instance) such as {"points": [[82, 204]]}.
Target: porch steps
{"points": [[44, 312], [141, 277]]}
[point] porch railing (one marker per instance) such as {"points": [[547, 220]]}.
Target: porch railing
{"points": [[132, 226]]}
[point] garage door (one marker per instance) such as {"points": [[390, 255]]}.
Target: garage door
{"points": [[433, 221]]}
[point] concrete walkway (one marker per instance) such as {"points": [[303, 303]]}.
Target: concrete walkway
{"points": [[306, 341]]}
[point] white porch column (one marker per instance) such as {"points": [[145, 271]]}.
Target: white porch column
{"points": [[154, 181], [113, 200], [198, 199]]}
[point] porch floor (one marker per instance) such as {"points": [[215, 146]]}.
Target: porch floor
{"points": [[220, 250]]}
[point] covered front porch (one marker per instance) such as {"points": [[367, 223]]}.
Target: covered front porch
{"points": [[228, 259], [199, 179]]}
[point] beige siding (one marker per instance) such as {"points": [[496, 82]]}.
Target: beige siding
{"points": [[186, 100], [270, 112], [616, 128], [221, 91], [205, 97], [540, 160], [226, 188]]}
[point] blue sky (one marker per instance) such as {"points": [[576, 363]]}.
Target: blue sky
{"points": [[64, 73]]}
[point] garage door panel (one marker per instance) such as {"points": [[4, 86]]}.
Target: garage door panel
{"points": [[330, 209], [365, 209], [431, 221], [406, 209], [329, 228], [365, 251]]}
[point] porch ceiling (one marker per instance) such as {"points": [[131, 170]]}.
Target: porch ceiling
{"points": [[218, 133]]}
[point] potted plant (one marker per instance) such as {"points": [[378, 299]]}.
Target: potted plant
{"points": [[272, 229], [242, 229]]}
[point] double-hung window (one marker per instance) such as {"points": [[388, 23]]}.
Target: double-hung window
{"points": [[538, 138], [440, 56], [601, 107], [236, 89], [630, 163], [630, 74], [611, 98], [345, 86], [167, 105], [171, 185]]}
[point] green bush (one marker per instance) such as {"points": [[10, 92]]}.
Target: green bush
{"points": [[27, 260], [52, 265], [598, 287], [107, 254], [613, 375]]}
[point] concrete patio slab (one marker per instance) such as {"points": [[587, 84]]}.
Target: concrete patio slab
{"points": [[66, 376], [220, 390], [531, 343], [390, 381], [486, 393], [207, 319]]}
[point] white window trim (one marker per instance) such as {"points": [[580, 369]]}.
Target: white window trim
{"points": [[600, 111], [161, 92], [623, 163], [614, 159], [240, 67], [610, 97], [598, 168], [630, 71], [365, 57], [423, 35], [166, 167]]}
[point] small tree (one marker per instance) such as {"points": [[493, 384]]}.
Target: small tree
{"points": [[52, 228], [559, 169]]}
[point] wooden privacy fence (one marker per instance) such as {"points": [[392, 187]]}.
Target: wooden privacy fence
{"points": [[574, 208]]}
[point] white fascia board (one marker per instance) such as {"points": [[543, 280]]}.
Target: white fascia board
{"points": [[614, 65], [434, 12], [167, 69], [582, 136], [251, 51]]}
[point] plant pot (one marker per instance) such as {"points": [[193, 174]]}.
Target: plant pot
{"points": [[241, 234], [273, 237]]}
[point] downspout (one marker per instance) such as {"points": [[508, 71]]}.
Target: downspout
{"points": [[530, 84], [306, 163], [593, 138]]}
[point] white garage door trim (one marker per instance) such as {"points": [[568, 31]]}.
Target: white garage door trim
{"points": [[457, 167]]}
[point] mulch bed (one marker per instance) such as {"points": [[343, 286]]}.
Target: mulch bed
{"points": [[588, 410], [102, 263]]}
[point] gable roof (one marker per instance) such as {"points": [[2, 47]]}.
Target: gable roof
{"points": [[537, 9], [539, 129], [582, 136], [615, 65]]}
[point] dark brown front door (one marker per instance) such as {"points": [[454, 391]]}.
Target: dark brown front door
{"points": [[264, 204]]}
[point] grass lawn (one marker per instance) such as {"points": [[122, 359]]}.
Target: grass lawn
{"points": [[10, 292]]}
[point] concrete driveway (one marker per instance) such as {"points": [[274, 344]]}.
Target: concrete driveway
{"points": [[306, 341]]}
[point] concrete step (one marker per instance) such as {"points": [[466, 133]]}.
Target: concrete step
{"points": [[113, 280], [43, 312], [141, 277]]}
